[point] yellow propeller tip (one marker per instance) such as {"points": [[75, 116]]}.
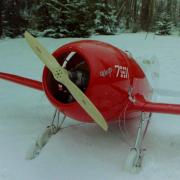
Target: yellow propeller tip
{"points": [[26, 33], [105, 128]]}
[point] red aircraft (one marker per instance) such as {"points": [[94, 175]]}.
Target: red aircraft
{"points": [[94, 81]]}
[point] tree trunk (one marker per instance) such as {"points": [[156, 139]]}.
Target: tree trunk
{"points": [[135, 11], [1, 19], [128, 13], [146, 14]]}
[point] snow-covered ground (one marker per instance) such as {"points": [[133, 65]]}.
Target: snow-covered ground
{"points": [[84, 152]]}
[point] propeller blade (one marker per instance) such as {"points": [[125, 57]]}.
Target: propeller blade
{"points": [[61, 75]]}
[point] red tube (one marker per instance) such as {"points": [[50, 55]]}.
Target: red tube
{"points": [[143, 105], [21, 80]]}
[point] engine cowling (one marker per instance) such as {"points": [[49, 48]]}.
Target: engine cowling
{"points": [[110, 73]]}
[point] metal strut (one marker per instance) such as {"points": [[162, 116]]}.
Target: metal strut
{"points": [[122, 125], [58, 126], [135, 156], [43, 139]]}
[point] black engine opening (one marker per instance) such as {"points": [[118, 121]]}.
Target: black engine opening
{"points": [[78, 71]]}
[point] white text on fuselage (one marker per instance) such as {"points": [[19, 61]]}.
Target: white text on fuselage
{"points": [[119, 71]]}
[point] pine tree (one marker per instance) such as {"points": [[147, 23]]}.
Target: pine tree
{"points": [[105, 18], [164, 25], [57, 18], [147, 14], [40, 16], [13, 22], [27, 8], [78, 19], [1, 28]]}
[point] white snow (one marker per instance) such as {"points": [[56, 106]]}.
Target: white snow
{"points": [[84, 152]]}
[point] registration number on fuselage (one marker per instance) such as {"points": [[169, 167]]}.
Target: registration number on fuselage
{"points": [[119, 71]]}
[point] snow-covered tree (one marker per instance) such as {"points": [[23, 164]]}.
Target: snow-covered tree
{"points": [[172, 10], [13, 22], [1, 28], [147, 10], [78, 19], [164, 25], [62, 18], [81, 18], [105, 18], [41, 18]]}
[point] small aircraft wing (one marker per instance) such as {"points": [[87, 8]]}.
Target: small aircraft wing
{"points": [[146, 106]]}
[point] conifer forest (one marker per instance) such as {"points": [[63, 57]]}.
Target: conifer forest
{"points": [[82, 18]]}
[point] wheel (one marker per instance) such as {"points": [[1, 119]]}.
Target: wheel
{"points": [[131, 161]]}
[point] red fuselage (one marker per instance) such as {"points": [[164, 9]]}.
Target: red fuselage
{"points": [[112, 74]]}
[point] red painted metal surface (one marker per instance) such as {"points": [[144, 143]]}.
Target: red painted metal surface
{"points": [[146, 106], [22, 81], [108, 91]]}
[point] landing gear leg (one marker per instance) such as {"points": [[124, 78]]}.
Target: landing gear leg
{"points": [[134, 160], [42, 140], [54, 128]]}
